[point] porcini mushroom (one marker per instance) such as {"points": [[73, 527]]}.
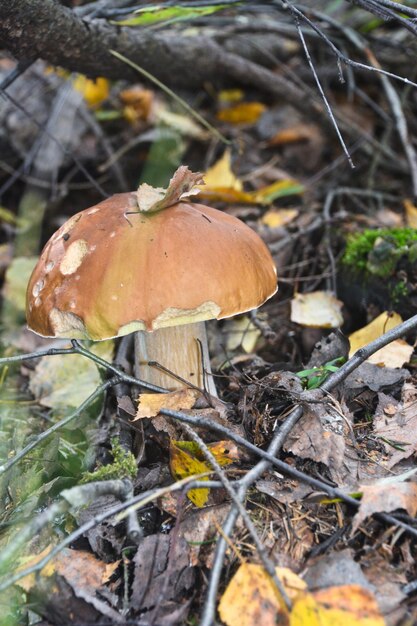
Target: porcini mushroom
{"points": [[154, 263]]}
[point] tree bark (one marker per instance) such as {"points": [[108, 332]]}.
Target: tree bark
{"points": [[30, 29]]}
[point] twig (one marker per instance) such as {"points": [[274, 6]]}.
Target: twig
{"points": [[123, 510], [77, 348], [323, 95], [266, 561]]}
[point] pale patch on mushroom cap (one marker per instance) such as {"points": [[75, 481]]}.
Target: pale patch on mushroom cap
{"points": [[67, 325], [182, 264], [73, 257]]}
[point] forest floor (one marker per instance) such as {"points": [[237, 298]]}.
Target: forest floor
{"points": [[292, 498]]}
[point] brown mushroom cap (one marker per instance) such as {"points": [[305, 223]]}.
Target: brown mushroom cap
{"points": [[105, 274]]}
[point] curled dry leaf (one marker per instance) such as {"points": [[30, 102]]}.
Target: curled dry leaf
{"points": [[182, 185], [383, 497], [318, 309], [150, 404]]}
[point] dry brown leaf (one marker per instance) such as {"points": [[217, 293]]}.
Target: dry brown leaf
{"points": [[318, 435], [380, 325], [183, 184], [251, 598], [386, 497], [398, 428], [137, 103], [318, 309], [294, 134], [79, 568], [150, 404]]}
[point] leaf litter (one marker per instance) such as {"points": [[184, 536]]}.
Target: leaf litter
{"points": [[337, 566]]}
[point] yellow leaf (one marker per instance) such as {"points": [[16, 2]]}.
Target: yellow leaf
{"points": [[94, 91], [318, 309], [337, 606], [242, 113], [184, 464], [275, 218], [230, 95], [150, 404], [186, 459], [380, 325], [410, 214], [251, 598], [279, 189], [220, 175]]}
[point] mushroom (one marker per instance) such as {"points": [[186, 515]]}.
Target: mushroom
{"points": [[154, 263]]}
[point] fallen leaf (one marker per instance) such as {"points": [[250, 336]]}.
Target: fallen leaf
{"points": [[162, 578], [230, 95], [222, 185], [241, 333], [137, 103], [94, 91], [318, 309], [294, 134], [150, 404], [200, 529], [221, 176], [186, 459], [397, 429], [383, 497], [52, 381], [251, 597], [182, 185], [83, 572], [394, 354], [275, 218], [410, 214], [181, 123], [337, 606], [318, 436], [241, 113]]}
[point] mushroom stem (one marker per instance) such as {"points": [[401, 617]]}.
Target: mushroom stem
{"points": [[182, 350]]}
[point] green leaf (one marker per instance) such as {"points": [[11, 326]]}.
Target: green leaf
{"points": [[146, 17]]}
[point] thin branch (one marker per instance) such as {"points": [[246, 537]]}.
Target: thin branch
{"points": [[323, 95]]}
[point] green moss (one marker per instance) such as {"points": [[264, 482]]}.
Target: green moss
{"points": [[377, 251], [123, 466]]}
